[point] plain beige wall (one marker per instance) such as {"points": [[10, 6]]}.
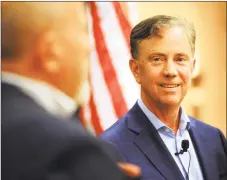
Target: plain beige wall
{"points": [[209, 19]]}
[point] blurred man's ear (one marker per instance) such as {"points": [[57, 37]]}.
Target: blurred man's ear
{"points": [[134, 66], [47, 52]]}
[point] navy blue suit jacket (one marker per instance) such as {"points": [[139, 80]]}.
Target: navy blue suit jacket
{"points": [[139, 142], [38, 146]]}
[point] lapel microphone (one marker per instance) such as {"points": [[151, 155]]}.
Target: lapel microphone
{"points": [[184, 146]]}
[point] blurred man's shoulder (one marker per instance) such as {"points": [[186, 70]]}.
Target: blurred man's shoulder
{"points": [[22, 114]]}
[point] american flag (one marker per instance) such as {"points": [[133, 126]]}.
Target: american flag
{"points": [[113, 90]]}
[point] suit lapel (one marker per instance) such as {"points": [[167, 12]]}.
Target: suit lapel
{"points": [[204, 152], [151, 144]]}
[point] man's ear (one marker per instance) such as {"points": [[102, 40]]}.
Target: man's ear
{"points": [[47, 51], [134, 67]]}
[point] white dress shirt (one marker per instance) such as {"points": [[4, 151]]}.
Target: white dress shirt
{"points": [[51, 99], [173, 143]]}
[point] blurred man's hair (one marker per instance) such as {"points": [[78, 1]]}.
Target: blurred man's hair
{"points": [[153, 27]]}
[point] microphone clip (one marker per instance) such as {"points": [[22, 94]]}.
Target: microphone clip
{"points": [[185, 146], [181, 152]]}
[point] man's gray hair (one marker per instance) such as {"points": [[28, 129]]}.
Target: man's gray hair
{"points": [[152, 27]]}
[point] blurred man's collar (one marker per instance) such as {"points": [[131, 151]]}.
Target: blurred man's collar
{"points": [[51, 99]]}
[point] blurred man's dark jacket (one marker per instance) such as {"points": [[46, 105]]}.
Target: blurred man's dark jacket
{"points": [[39, 146]]}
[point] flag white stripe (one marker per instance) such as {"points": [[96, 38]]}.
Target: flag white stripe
{"points": [[118, 51], [119, 54], [102, 98], [101, 94]]}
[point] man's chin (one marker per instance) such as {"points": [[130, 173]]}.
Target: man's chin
{"points": [[171, 101]]}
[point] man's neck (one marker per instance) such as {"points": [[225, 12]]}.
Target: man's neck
{"points": [[169, 115]]}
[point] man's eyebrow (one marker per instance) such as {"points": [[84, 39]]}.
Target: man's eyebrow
{"points": [[182, 54], [156, 53], [164, 54]]}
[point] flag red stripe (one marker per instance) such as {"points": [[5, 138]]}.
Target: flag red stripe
{"points": [[110, 76], [94, 116], [124, 23], [95, 120]]}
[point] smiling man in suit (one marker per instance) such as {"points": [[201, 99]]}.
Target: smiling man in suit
{"points": [[44, 60], [152, 131]]}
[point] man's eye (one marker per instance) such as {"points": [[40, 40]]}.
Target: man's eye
{"points": [[156, 59], [180, 59]]}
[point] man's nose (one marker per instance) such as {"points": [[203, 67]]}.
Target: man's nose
{"points": [[170, 69]]}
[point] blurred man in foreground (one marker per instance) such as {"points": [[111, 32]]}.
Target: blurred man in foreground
{"points": [[44, 66], [156, 133]]}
